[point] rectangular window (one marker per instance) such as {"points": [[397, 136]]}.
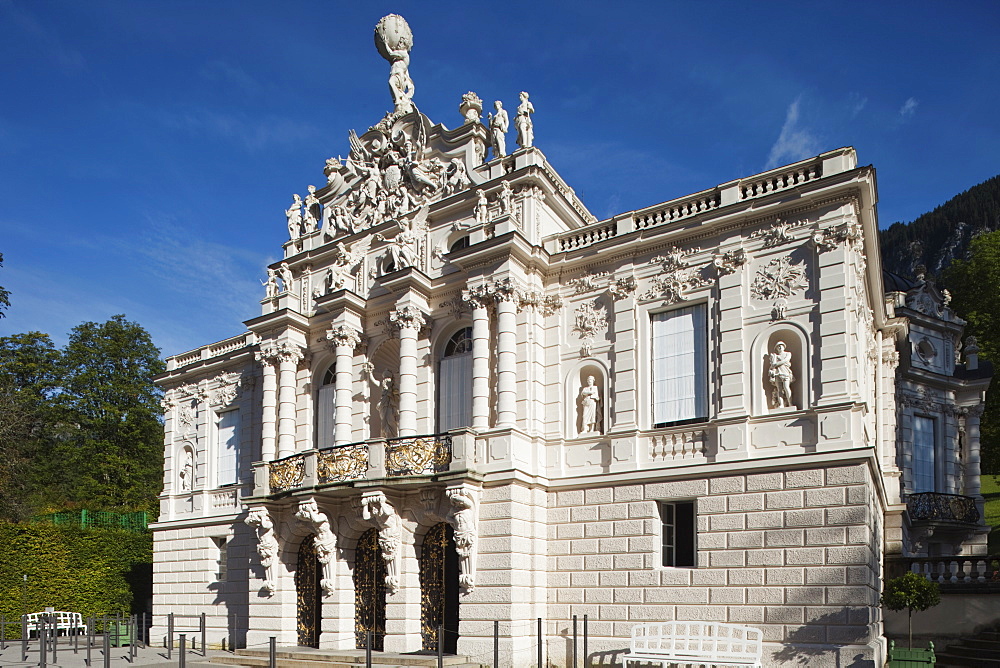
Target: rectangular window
{"points": [[222, 558], [924, 475], [678, 534], [680, 366], [326, 401], [455, 392], [229, 448]]}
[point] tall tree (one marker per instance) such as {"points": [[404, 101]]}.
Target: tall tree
{"points": [[4, 295], [114, 455], [975, 286]]}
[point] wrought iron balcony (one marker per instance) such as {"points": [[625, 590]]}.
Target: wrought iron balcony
{"points": [[935, 507], [374, 459]]}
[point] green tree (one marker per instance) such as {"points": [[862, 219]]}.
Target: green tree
{"points": [[911, 592], [975, 288], [113, 456], [4, 295]]}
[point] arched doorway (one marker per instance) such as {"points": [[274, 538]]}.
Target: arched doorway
{"points": [[369, 591], [439, 588], [309, 597]]}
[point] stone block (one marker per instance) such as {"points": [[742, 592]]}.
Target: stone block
{"points": [[763, 482], [746, 614], [826, 536], [711, 504], [858, 535], [727, 485], [808, 633], [742, 503], [765, 557], [643, 510], [804, 518], [574, 563], [569, 499], [614, 578], [643, 579], [804, 556], [766, 595], [675, 577], [726, 595], [628, 595], [846, 475], [847, 595], [807, 478], [826, 614], [599, 495], [858, 495], [804, 595], [599, 595], [728, 558], [585, 578], [847, 515], [627, 561], [679, 489], [847, 635], [833, 496], [583, 546], [572, 594], [784, 537], [599, 529], [847, 555], [859, 575], [629, 528], [701, 577], [781, 500], [784, 576], [701, 613], [614, 511], [581, 514], [569, 531], [627, 493], [774, 519], [743, 539], [730, 522], [834, 575], [635, 544], [784, 614]]}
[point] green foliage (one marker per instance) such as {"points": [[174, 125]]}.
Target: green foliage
{"points": [[4, 295], [80, 427], [90, 571], [910, 592]]}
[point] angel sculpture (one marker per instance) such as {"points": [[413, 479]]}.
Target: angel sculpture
{"points": [[270, 285], [457, 178]]}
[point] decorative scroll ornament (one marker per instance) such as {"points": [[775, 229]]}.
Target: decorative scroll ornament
{"points": [[229, 388], [591, 318], [589, 283], [676, 279], [343, 335], [376, 509], [285, 474], [342, 463], [622, 287], [849, 233], [730, 261], [464, 518], [547, 304], [326, 542], [779, 233], [267, 544], [168, 403], [418, 455], [779, 279]]}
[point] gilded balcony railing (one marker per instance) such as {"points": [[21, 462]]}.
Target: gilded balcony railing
{"points": [[287, 473], [342, 463], [935, 507], [418, 455]]}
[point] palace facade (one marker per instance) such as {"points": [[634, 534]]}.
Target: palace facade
{"points": [[466, 399]]}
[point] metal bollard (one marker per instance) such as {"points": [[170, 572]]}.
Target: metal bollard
{"points": [[131, 638], [574, 641], [24, 638], [586, 656], [182, 658], [43, 651], [540, 642], [142, 630], [368, 649], [107, 647], [272, 654], [440, 647], [496, 643], [170, 635], [204, 628], [90, 638], [55, 639], [3, 632]]}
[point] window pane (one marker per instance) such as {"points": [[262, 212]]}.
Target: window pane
{"points": [[680, 365], [924, 479], [228, 447], [326, 401], [454, 392], [684, 549]]}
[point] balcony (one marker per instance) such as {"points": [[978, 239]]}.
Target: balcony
{"points": [[932, 507], [378, 459]]}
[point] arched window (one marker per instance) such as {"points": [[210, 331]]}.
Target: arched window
{"points": [[460, 243], [325, 404], [455, 382]]}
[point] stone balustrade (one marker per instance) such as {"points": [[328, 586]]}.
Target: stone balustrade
{"points": [[212, 350], [587, 236], [678, 444], [936, 507], [778, 180], [971, 571], [678, 209]]}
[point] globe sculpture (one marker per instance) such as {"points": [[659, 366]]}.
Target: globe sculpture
{"points": [[394, 39]]}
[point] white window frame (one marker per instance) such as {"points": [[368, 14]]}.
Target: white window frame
{"points": [[451, 415], [924, 473], [668, 511], [665, 411], [219, 417], [326, 394]]}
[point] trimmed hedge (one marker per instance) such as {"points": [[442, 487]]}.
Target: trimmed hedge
{"points": [[90, 571]]}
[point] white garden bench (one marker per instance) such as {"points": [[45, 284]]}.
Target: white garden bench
{"points": [[64, 621], [708, 644]]}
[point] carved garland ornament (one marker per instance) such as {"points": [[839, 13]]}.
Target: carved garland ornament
{"points": [[676, 279], [779, 279], [591, 318]]}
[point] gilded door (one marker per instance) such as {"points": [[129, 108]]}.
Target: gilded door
{"points": [[369, 591], [439, 588], [309, 597]]}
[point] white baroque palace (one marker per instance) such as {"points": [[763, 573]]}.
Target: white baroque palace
{"points": [[468, 400]]}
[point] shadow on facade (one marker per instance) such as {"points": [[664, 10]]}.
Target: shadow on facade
{"points": [[808, 643], [232, 593]]}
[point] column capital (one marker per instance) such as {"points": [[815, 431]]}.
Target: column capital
{"points": [[506, 290], [344, 335], [408, 316], [477, 296]]}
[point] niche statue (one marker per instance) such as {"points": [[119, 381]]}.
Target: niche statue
{"points": [[589, 401], [781, 377]]}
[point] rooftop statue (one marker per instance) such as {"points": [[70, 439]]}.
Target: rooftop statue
{"points": [[525, 128], [499, 124], [394, 39]]}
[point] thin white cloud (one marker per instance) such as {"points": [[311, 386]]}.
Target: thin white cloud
{"points": [[221, 71], [909, 108], [857, 102], [794, 142], [253, 134], [44, 39]]}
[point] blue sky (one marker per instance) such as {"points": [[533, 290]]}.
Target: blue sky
{"points": [[148, 149]]}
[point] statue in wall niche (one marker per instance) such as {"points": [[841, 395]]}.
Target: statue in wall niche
{"points": [[311, 220], [294, 216], [499, 124], [388, 402], [285, 273], [525, 128], [271, 284], [589, 400], [781, 376], [482, 212], [267, 543], [187, 471], [394, 39]]}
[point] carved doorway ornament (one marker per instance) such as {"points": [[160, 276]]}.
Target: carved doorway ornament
{"points": [[369, 591], [308, 595], [439, 588]]}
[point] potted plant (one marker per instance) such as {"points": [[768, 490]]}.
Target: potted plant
{"points": [[910, 591]]}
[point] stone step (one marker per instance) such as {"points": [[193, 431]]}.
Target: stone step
{"points": [[976, 647], [949, 660], [311, 658]]}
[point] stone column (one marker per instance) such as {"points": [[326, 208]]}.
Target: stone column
{"points": [[972, 467], [288, 361], [409, 320], [476, 297], [345, 339], [269, 407], [506, 296]]}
